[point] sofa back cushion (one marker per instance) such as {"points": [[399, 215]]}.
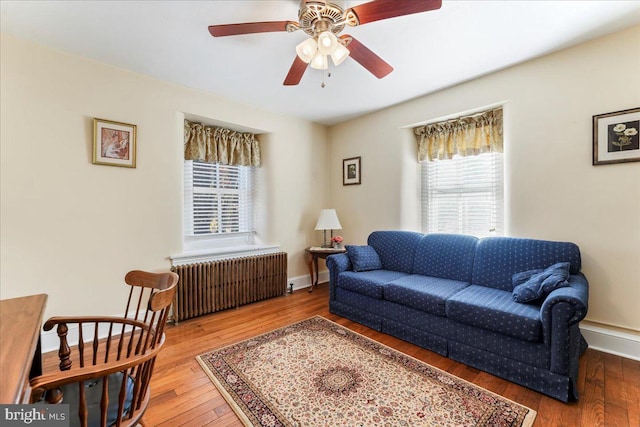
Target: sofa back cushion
{"points": [[448, 256], [499, 258], [396, 249]]}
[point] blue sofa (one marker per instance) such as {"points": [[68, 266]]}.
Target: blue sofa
{"points": [[454, 295]]}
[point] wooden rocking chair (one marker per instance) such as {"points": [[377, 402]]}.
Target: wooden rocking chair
{"points": [[106, 380]]}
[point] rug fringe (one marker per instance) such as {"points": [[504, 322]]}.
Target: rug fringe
{"points": [[530, 418]]}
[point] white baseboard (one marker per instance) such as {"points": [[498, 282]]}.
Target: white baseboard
{"points": [[611, 341], [304, 281]]}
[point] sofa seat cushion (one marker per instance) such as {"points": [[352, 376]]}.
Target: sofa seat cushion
{"points": [[370, 283], [495, 310], [423, 293]]}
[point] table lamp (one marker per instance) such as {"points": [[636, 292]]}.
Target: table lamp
{"points": [[328, 221]]}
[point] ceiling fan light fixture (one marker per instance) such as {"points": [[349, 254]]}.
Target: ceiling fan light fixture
{"points": [[319, 61], [307, 49], [339, 54], [327, 42], [322, 20]]}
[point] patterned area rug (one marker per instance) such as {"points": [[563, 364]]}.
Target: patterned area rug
{"points": [[318, 373]]}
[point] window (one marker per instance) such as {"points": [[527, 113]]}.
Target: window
{"points": [[218, 199], [463, 195]]}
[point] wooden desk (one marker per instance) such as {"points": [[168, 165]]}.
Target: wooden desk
{"points": [[20, 353], [312, 261]]}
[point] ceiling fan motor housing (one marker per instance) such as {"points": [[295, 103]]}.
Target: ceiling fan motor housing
{"points": [[316, 17]]}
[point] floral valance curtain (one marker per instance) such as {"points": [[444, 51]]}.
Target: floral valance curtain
{"points": [[465, 136], [219, 145]]}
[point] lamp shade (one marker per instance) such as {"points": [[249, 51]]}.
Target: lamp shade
{"points": [[328, 220], [327, 42], [319, 61], [339, 54], [306, 50]]}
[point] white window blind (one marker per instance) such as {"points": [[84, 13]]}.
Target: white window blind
{"points": [[218, 198], [463, 195]]}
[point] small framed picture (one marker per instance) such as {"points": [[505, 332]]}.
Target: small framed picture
{"points": [[351, 171], [616, 137], [114, 143]]}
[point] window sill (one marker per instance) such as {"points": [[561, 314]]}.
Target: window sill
{"points": [[205, 255]]}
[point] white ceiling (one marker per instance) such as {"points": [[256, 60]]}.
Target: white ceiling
{"points": [[429, 51]]}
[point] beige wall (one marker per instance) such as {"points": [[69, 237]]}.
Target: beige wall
{"points": [[72, 229], [552, 190]]}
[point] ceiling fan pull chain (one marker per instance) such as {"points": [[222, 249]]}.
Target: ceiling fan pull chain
{"points": [[328, 75]]}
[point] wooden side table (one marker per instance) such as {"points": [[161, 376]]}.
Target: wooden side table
{"points": [[313, 253], [20, 349]]}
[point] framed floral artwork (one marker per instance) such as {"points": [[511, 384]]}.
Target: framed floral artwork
{"points": [[616, 137], [351, 171], [114, 143]]}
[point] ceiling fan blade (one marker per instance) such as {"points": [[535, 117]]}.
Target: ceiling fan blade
{"points": [[247, 28], [295, 72], [365, 57], [384, 9]]}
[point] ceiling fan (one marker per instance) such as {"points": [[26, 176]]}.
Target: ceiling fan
{"points": [[323, 21]]}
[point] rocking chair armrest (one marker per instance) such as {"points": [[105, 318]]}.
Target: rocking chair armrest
{"points": [[52, 380], [66, 320], [100, 333]]}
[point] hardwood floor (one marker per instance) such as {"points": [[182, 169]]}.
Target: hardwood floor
{"points": [[183, 395]]}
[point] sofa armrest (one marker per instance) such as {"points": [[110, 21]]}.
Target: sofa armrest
{"points": [[336, 264], [576, 303]]}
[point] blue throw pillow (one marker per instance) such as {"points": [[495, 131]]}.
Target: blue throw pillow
{"points": [[523, 276], [540, 283], [363, 258]]}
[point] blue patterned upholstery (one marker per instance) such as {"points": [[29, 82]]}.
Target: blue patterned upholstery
{"points": [[558, 386], [423, 292], [542, 284], [396, 249], [449, 256], [494, 310], [357, 314], [453, 295], [370, 283], [336, 264], [531, 353], [363, 258], [356, 299], [576, 296], [499, 258]]}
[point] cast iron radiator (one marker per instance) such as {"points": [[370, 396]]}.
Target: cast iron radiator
{"points": [[208, 287]]}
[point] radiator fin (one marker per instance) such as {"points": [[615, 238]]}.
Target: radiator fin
{"points": [[208, 287]]}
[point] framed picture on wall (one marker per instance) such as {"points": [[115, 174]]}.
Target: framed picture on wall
{"points": [[616, 137], [114, 143], [351, 171]]}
